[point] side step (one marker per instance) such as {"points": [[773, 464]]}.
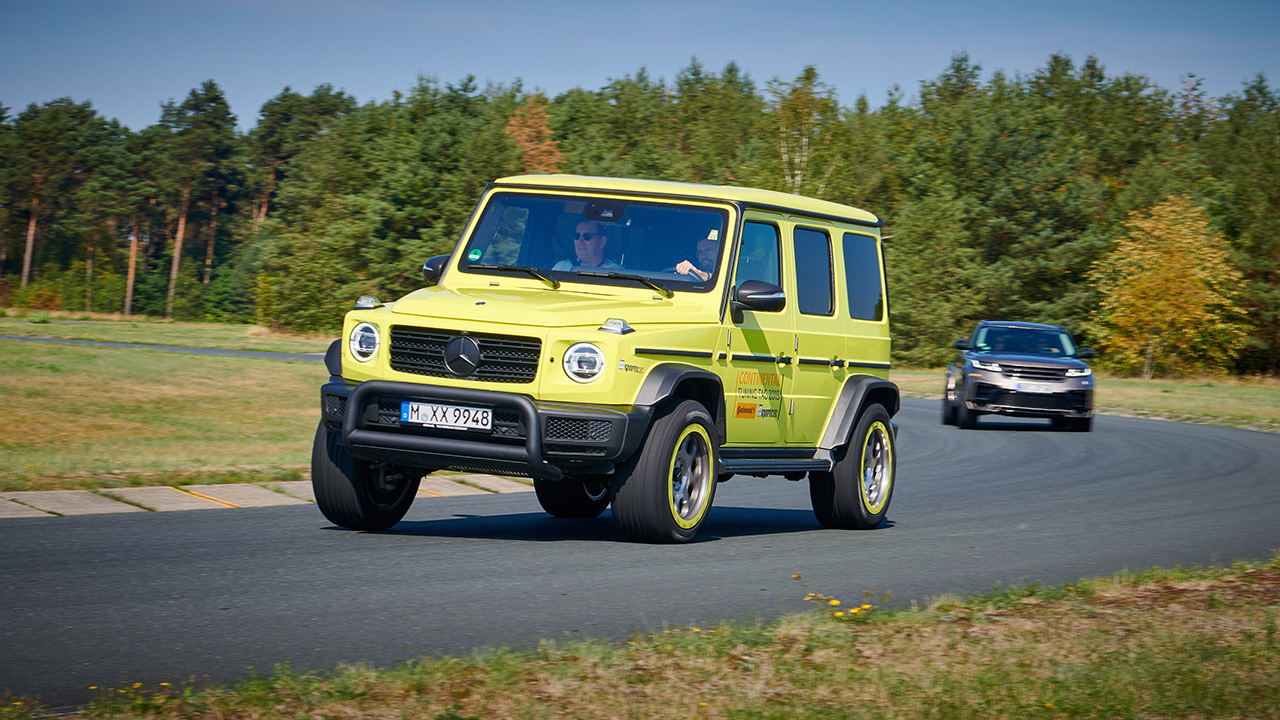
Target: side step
{"points": [[773, 462]]}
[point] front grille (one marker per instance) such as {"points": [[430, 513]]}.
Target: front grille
{"points": [[1033, 401], [335, 405], [507, 424], [1032, 372], [503, 358], [577, 430]]}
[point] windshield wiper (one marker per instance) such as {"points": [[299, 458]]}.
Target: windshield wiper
{"points": [[553, 284], [626, 276]]}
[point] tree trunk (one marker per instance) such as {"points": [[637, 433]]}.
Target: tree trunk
{"points": [[213, 235], [88, 278], [261, 213], [133, 264], [1148, 368], [177, 248], [31, 232], [4, 245]]}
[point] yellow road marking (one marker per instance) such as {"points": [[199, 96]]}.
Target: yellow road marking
{"points": [[202, 496], [431, 493]]}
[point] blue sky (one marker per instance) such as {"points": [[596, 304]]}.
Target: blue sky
{"points": [[128, 56]]}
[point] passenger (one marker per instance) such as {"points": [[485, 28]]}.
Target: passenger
{"points": [[705, 266], [588, 245]]}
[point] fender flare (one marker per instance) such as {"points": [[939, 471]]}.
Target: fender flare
{"points": [[665, 378], [855, 394]]}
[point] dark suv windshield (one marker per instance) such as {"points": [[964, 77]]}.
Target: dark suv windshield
{"points": [[671, 245], [1028, 341]]}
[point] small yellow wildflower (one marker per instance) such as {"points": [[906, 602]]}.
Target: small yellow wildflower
{"points": [[1048, 705], [796, 576], [866, 607], [839, 614], [833, 602]]}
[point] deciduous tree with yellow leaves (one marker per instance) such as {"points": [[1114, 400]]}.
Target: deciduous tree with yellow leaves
{"points": [[1168, 294]]}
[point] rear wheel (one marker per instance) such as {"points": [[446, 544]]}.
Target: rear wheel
{"points": [[662, 496], [355, 493], [573, 497], [856, 494]]}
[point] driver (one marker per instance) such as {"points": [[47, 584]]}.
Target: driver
{"points": [[588, 245]]}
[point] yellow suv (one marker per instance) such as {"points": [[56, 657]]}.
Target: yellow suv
{"points": [[627, 343]]}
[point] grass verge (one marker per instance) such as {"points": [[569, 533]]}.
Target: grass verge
{"points": [[79, 326], [1234, 402], [84, 417], [1181, 642]]}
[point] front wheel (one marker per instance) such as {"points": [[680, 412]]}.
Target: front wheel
{"points": [[573, 497], [662, 496], [855, 495], [354, 493]]}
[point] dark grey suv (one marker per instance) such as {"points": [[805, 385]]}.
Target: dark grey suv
{"points": [[1020, 369]]}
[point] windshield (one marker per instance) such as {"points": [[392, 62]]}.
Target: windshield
{"points": [[578, 239], [1027, 341]]}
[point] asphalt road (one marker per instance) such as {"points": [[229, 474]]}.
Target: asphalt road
{"points": [[164, 597]]}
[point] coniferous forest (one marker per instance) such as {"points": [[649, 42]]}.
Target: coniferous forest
{"points": [[1144, 219]]}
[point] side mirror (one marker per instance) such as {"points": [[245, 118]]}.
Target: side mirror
{"points": [[433, 269], [1087, 353], [757, 295], [960, 344]]}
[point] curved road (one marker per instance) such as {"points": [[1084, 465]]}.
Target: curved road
{"points": [[114, 600]]}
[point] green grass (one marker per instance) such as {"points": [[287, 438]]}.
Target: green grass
{"points": [[91, 417], [74, 326], [1230, 400], [1175, 643]]}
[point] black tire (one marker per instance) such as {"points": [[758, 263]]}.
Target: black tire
{"points": [[664, 493], [573, 497], [1057, 421], [948, 411], [1082, 424], [966, 419], [856, 494], [354, 493]]}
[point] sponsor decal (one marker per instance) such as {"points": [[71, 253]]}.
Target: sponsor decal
{"points": [[746, 410], [765, 412], [622, 365]]}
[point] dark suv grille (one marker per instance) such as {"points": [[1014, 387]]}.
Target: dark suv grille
{"points": [[1031, 372], [503, 358]]}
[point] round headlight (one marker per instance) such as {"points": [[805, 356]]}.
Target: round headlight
{"points": [[364, 341], [583, 362]]}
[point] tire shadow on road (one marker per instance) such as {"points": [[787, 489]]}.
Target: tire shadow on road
{"points": [[721, 523]]}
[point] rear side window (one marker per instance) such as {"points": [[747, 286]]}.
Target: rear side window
{"points": [[814, 282], [862, 277], [758, 257]]}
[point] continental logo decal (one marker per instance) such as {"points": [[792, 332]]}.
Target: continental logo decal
{"points": [[745, 410]]}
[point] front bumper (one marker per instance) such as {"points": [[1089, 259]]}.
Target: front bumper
{"points": [[539, 439], [1000, 396]]}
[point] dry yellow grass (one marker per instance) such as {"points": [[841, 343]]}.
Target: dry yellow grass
{"points": [[1166, 643], [79, 413]]}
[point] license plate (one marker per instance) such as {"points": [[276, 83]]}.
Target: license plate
{"points": [[446, 416], [1034, 388]]}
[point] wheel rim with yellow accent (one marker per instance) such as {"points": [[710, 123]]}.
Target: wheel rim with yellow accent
{"points": [[877, 467], [690, 476]]}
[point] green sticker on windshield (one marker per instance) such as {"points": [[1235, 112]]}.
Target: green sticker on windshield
{"points": [[474, 255]]}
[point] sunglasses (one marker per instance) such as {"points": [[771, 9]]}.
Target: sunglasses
{"points": [[584, 236]]}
